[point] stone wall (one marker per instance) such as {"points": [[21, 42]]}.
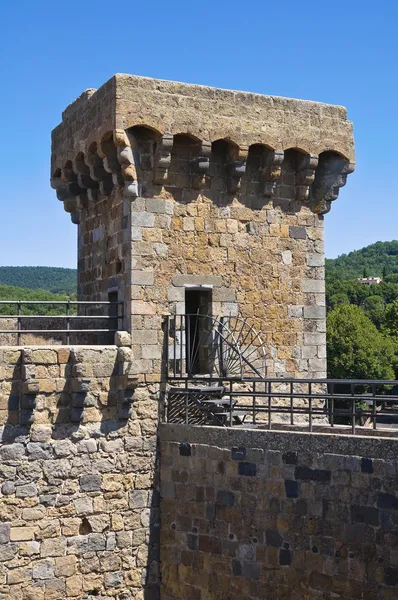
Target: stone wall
{"points": [[264, 260], [257, 514], [78, 485]]}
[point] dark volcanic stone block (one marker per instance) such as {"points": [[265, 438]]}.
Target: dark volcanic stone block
{"points": [[225, 498], [292, 488], [185, 449], [285, 557], [236, 568], [365, 514], [290, 458], [238, 453], [391, 576], [273, 538], [366, 465], [388, 501], [306, 473], [248, 469], [251, 570]]}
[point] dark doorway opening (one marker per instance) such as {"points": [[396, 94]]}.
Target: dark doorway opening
{"points": [[198, 309]]}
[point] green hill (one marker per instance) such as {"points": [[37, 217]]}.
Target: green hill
{"points": [[51, 279], [9, 292], [374, 259]]}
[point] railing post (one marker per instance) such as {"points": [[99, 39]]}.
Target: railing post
{"points": [[331, 408], [167, 336], [254, 402], [188, 345], [269, 405], [19, 324], [175, 347], [310, 406], [186, 404], [68, 323], [374, 406], [181, 348], [353, 407], [291, 404]]}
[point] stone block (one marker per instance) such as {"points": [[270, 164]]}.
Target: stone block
{"points": [[22, 534], [122, 339], [295, 312], [314, 312], [298, 233], [194, 280], [156, 205], [142, 277], [313, 285], [53, 547], [287, 257], [90, 483], [139, 307], [315, 260], [4, 533], [28, 490], [142, 219]]}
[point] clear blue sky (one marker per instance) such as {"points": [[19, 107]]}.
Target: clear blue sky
{"points": [[341, 52]]}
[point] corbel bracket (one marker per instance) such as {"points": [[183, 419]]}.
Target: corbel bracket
{"points": [[305, 175], [236, 168], [200, 166], [271, 171], [162, 158]]}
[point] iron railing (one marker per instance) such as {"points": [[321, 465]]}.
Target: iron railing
{"points": [[225, 346], [73, 315], [352, 406]]}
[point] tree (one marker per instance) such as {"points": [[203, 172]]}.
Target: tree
{"points": [[374, 307], [391, 320], [384, 272], [338, 299], [365, 272], [356, 349]]}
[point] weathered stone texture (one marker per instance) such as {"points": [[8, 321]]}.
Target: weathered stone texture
{"points": [[248, 514], [78, 502]]}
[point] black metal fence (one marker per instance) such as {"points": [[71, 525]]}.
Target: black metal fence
{"points": [[79, 319], [353, 406]]}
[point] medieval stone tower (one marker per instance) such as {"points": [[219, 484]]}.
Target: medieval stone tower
{"points": [[179, 188]]}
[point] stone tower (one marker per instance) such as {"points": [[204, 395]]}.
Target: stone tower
{"points": [[175, 187]]}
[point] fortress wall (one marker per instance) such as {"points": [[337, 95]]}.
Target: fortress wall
{"points": [[78, 487], [258, 514]]}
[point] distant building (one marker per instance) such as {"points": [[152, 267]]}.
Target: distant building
{"points": [[370, 280]]}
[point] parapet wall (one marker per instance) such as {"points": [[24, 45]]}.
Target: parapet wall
{"points": [[258, 514], [78, 490]]}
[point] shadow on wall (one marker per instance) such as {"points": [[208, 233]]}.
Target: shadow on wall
{"points": [[79, 432]]}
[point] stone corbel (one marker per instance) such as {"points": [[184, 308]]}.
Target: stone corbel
{"points": [[305, 175], [98, 173], [84, 180], [236, 168], [200, 166], [68, 193], [162, 158], [128, 159], [107, 150], [330, 176], [271, 171]]}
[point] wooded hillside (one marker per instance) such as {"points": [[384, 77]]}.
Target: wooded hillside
{"points": [[52, 279]]}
